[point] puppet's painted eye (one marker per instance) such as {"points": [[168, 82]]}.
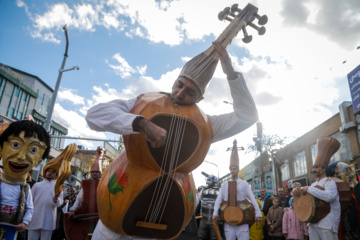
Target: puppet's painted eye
{"points": [[15, 145], [33, 150]]}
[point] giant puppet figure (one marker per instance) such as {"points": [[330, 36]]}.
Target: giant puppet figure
{"points": [[22, 145], [350, 218]]}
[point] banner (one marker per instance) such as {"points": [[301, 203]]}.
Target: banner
{"points": [[354, 84], [257, 182], [268, 181], [7, 231]]}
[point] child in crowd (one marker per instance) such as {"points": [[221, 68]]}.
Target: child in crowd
{"points": [[293, 228], [256, 230], [274, 220]]}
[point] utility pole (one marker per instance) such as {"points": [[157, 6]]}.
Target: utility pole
{"points": [[53, 99]]}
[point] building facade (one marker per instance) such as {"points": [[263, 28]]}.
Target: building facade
{"points": [[297, 158], [295, 161], [23, 94]]}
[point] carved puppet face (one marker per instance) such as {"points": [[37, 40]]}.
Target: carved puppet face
{"points": [[19, 155], [346, 173]]}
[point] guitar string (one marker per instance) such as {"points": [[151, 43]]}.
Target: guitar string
{"points": [[158, 181], [163, 187], [176, 164], [161, 179], [173, 162], [166, 189]]}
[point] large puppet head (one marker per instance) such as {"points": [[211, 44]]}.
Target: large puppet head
{"points": [[342, 171], [22, 145]]}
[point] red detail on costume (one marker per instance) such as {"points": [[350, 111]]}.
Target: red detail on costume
{"points": [[121, 177]]}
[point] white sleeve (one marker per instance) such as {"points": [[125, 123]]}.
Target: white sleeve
{"points": [[328, 195], [219, 199], [29, 208], [112, 116], [250, 195], [78, 201], [60, 199], [245, 113]]}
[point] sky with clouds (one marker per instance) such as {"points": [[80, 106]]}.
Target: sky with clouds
{"points": [[295, 71]]}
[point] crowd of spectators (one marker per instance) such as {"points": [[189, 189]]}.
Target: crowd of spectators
{"points": [[279, 219]]}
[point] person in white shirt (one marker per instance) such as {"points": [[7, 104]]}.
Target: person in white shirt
{"points": [[326, 228], [43, 221], [239, 232], [115, 116]]}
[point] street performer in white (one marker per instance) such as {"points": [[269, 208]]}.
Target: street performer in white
{"points": [[326, 228], [239, 232], [115, 116]]}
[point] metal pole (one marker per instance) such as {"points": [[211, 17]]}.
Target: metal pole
{"points": [[273, 172], [53, 99], [215, 166]]}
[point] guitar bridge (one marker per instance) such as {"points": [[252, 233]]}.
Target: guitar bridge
{"points": [[151, 225]]}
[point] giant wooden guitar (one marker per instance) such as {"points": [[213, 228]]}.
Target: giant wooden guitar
{"points": [[150, 192]]}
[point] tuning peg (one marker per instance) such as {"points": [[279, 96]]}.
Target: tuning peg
{"points": [[261, 30], [224, 14], [247, 38], [262, 19], [235, 8]]}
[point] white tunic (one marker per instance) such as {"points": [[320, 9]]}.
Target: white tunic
{"points": [[330, 195], [44, 216], [10, 195]]}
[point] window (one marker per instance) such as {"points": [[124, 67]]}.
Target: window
{"points": [[17, 92], [313, 149], [25, 97], [344, 152], [47, 108], [285, 173], [42, 102], [20, 114], [12, 110], [3, 84], [300, 164]]}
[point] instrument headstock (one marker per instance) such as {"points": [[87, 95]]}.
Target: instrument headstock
{"points": [[239, 19]]}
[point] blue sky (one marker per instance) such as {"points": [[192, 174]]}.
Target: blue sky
{"points": [[124, 48]]}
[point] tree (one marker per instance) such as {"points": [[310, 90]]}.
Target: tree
{"points": [[266, 147]]}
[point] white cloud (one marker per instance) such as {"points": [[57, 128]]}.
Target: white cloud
{"points": [[77, 125], [68, 94], [122, 68]]}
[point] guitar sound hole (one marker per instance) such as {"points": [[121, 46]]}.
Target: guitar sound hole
{"points": [[180, 147]]}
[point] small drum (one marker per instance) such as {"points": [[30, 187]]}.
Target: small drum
{"points": [[310, 209], [242, 213]]}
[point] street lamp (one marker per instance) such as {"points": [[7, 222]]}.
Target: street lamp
{"points": [[272, 158], [215, 166], [53, 99]]}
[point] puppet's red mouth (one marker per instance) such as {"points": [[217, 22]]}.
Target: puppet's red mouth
{"points": [[15, 167]]}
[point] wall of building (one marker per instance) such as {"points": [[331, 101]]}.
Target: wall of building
{"points": [[297, 158]]}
